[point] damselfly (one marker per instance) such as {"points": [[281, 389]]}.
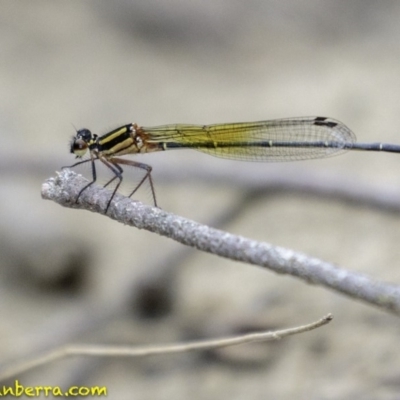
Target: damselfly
{"points": [[273, 140]]}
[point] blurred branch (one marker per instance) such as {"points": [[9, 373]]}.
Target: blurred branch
{"points": [[118, 351], [282, 178], [288, 177], [64, 189]]}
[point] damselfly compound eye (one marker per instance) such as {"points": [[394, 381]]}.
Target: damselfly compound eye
{"points": [[84, 134]]}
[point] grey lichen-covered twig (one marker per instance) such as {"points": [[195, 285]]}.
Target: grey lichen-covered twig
{"points": [[64, 189]]}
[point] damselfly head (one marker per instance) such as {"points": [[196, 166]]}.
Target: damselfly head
{"points": [[80, 142]]}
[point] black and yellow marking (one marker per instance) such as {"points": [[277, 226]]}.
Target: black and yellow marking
{"points": [[116, 141]]}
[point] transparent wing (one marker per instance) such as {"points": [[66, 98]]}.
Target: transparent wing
{"points": [[273, 140]]}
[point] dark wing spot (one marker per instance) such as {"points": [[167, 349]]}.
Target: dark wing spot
{"points": [[323, 121]]}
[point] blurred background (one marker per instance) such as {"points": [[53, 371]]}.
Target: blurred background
{"points": [[69, 276]]}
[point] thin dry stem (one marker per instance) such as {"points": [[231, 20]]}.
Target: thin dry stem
{"points": [[118, 351]]}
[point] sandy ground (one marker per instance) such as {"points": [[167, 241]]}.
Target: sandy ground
{"points": [[70, 276]]}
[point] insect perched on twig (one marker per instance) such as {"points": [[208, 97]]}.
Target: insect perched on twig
{"points": [[272, 140]]}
